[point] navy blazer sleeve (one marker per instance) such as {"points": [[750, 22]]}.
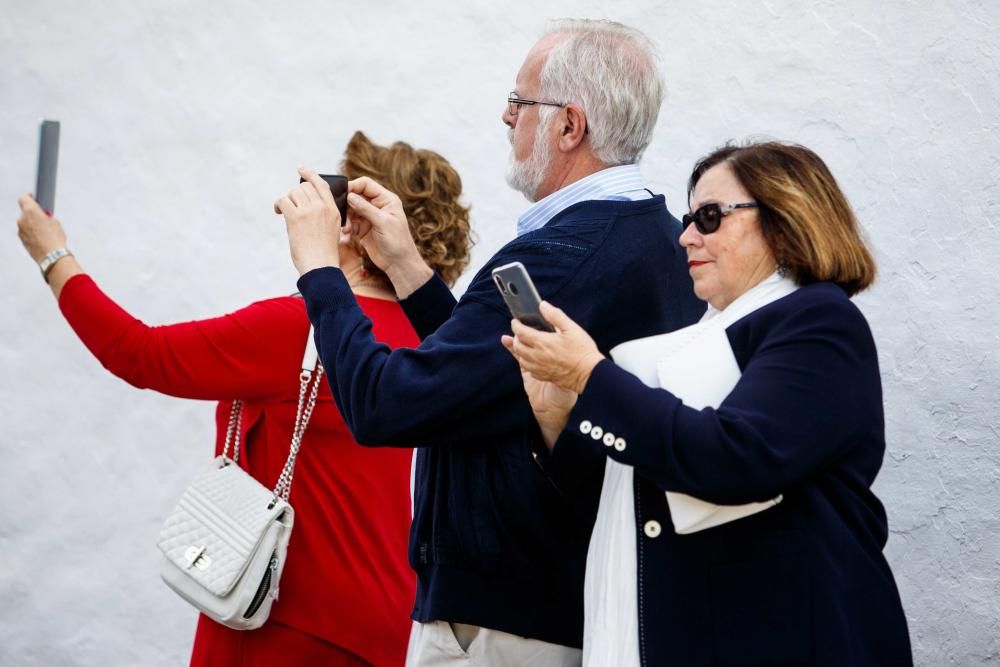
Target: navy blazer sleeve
{"points": [[459, 382], [429, 306], [810, 385]]}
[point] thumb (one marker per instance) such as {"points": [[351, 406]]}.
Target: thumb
{"points": [[363, 208], [357, 226], [28, 203], [556, 317]]}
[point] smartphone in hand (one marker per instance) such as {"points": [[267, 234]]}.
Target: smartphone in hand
{"points": [[338, 186], [520, 295], [48, 160]]}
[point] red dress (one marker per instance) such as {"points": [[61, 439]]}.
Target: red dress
{"points": [[347, 590]]}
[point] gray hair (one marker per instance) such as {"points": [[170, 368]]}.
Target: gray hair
{"points": [[612, 72]]}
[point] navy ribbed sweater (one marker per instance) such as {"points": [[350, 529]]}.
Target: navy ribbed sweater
{"points": [[496, 541]]}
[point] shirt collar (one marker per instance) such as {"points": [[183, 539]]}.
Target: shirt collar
{"points": [[621, 182]]}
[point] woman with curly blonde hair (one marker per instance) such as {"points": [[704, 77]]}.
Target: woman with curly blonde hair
{"points": [[429, 188], [347, 588]]}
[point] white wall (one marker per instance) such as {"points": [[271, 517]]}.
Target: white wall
{"points": [[182, 125]]}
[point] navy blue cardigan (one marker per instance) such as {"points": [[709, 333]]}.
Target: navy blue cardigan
{"points": [[804, 582], [495, 541]]}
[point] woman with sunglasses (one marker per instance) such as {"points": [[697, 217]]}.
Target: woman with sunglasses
{"points": [[795, 575]]}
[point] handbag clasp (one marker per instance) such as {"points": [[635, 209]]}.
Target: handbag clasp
{"points": [[196, 556]]}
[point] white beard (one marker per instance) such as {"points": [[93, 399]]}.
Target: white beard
{"points": [[526, 176]]}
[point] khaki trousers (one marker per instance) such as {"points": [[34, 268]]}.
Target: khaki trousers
{"points": [[438, 644]]}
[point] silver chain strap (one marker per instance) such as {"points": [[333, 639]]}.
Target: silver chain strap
{"points": [[302, 415], [235, 426]]}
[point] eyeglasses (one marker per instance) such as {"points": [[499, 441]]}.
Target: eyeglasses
{"points": [[514, 103], [708, 218]]}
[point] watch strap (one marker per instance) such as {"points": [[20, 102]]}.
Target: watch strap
{"points": [[47, 262]]}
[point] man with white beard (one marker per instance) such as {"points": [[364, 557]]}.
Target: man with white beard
{"points": [[501, 527]]}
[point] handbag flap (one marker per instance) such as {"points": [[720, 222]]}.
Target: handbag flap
{"points": [[217, 524]]}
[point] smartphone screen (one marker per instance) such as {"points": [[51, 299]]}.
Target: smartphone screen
{"points": [[48, 161], [338, 186], [520, 295]]}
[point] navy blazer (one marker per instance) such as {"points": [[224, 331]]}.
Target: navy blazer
{"points": [[495, 541], [802, 583]]}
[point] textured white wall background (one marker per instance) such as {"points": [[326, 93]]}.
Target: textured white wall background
{"points": [[183, 121]]}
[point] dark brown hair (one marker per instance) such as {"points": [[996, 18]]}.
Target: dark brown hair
{"points": [[429, 188], [804, 217]]}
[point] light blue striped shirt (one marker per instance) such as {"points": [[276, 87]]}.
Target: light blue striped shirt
{"points": [[623, 183]]}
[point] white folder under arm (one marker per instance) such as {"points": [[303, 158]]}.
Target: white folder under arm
{"points": [[697, 365]]}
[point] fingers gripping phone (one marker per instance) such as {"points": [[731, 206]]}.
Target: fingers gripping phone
{"points": [[338, 186], [520, 295], [48, 160]]}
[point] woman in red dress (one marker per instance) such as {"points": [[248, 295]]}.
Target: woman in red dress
{"points": [[347, 589]]}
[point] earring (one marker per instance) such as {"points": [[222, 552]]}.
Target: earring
{"points": [[782, 270]]}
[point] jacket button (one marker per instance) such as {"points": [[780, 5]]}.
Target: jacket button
{"points": [[609, 439], [585, 427], [652, 529], [596, 432], [619, 444]]}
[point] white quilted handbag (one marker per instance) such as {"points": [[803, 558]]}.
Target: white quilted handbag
{"points": [[224, 543]]}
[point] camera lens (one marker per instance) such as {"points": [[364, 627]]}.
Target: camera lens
{"points": [[499, 281]]}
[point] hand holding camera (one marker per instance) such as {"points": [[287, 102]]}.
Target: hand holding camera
{"points": [[312, 221]]}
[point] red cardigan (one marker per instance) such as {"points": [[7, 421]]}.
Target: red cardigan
{"points": [[347, 580]]}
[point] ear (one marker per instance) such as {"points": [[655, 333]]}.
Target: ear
{"points": [[574, 128]]}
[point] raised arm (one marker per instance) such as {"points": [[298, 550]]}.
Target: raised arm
{"points": [[246, 354], [457, 386]]}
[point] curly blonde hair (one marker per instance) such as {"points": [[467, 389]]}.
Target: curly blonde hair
{"points": [[429, 188]]}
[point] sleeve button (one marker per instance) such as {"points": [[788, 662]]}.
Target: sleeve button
{"points": [[619, 444], [596, 432], [609, 439], [585, 427]]}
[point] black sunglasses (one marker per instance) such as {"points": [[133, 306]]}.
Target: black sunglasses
{"points": [[708, 218]]}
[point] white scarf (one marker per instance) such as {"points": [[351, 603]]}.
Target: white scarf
{"points": [[697, 365]]}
